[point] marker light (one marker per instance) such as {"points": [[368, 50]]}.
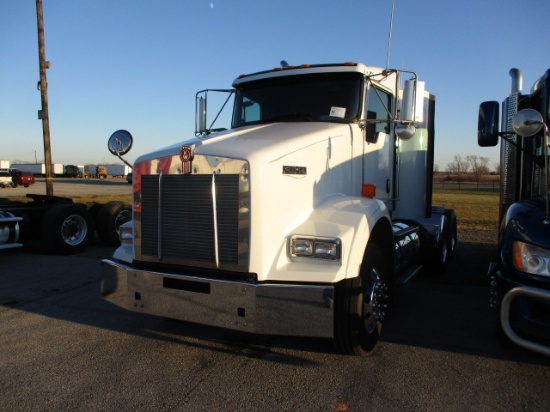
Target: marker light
{"points": [[531, 259], [368, 190]]}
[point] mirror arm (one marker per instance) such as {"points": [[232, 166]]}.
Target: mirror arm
{"points": [[221, 110], [505, 136], [117, 154]]}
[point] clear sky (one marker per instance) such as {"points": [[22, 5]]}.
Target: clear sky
{"points": [[136, 64]]}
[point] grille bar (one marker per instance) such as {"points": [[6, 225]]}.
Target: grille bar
{"points": [[215, 220]]}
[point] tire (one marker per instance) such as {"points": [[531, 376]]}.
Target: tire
{"points": [[436, 258], [109, 218], [452, 234], [67, 229], [360, 306], [93, 209]]}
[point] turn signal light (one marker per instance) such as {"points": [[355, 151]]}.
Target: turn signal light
{"points": [[368, 190]]}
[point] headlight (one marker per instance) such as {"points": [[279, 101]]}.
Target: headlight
{"points": [[316, 248], [126, 232], [531, 259]]}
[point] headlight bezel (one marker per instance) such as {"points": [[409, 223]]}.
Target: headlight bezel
{"points": [[531, 259], [323, 248], [126, 232]]}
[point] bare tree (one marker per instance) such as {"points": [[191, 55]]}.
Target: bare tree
{"points": [[478, 166], [496, 168], [459, 166]]}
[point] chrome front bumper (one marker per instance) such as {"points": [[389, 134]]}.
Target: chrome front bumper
{"points": [[272, 309], [505, 316]]}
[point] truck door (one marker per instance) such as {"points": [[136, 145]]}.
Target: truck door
{"points": [[379, 151]]}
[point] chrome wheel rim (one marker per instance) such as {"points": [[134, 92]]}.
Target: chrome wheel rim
{"points": [[74, 230]]}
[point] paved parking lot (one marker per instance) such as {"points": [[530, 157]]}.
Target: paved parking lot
{"points": [[63, 348]]}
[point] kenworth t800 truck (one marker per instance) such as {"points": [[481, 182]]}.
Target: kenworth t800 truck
{"points": [[295, 221], [520, 271]]}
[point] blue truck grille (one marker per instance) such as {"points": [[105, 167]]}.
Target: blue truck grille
{"points": [[179, 210]]}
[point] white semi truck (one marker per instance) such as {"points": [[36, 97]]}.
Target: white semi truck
{"points": [[295, 221]]}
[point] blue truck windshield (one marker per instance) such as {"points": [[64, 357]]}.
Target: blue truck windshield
{"points": [[326, 97]]}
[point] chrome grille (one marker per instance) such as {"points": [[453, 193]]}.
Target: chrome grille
{"points": [[177, 220]]}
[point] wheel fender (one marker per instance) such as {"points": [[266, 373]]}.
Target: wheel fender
{"points": [[352, 220]]}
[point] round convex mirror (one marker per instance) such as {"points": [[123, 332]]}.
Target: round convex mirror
{"points": [[120, 142], [527, 122]]}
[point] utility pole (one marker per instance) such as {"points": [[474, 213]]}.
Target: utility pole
{"points": [[43, 87]]}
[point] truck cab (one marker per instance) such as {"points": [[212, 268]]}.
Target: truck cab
{"points": [[295, 220], [520, 272]]}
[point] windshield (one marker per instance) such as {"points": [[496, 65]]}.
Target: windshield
{"points": [[328, 97]]}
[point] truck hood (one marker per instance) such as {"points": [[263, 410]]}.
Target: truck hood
{"points": [[268, 142], [524, 220]]}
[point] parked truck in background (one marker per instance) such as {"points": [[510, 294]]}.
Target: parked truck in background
{"points": [[95, 172], [104, 171], [71, 171], [117, 170], [520, 271], [299, 218], [39, 169], [60, 225]]}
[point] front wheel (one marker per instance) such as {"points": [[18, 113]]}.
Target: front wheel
{"points": [[360, 306]]}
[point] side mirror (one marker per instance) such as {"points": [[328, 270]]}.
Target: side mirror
{"points": [[527, 122], [412, 105], [487, 124], [120, 142], [200, 115]]}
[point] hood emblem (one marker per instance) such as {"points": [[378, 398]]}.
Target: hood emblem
{"points": [[294, 170], [186, 157]]}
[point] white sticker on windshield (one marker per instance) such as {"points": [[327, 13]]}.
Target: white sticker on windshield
{"points": [[338, 112]]}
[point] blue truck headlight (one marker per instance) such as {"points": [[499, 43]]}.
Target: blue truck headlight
{"points": [[325, 248], [531, 259]]}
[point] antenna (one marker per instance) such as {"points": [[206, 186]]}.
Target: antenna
{"points": [[389, 36]]}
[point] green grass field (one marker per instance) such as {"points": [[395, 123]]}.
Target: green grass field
{"points": [[475, 210]]}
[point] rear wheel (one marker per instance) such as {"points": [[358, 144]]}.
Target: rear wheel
{"points": [[361, 305], [67, 229]]}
